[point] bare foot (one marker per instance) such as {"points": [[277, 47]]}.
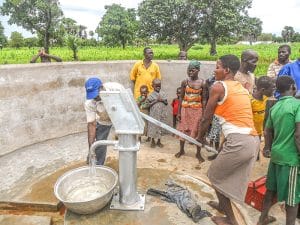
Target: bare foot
{"points": [[221, 220], [199, 157], [269, 219], [152, 145], [215, 205], [180, 153], [160, 145]]}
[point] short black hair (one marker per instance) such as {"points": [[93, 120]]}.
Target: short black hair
{"points": [[285, 46], [283, 83], [231, 62], [144, 87], [264, 82], [145, 49]]}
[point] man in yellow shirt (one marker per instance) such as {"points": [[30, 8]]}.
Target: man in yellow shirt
{"points": [[144, 72]]}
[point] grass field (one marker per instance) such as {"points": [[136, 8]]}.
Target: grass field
{"points": [[267, 53]]}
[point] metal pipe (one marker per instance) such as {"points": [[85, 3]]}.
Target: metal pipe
{"points": [[178, 133], [127, 169], [99, 143]]}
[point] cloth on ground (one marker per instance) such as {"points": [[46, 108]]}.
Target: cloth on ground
{"points": [[183, 198]]}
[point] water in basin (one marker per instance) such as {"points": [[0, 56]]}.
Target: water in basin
{"points": [[86, 189]]}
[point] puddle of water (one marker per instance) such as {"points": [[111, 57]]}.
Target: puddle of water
{"points": [[42, 191]]}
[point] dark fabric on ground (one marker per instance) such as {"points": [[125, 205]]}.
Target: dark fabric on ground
{"points": [[183, 198]]}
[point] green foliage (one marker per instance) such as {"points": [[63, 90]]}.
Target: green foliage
{"points": [[72, 43], [16, 40], [223, 18], [296, 37], [31, 42], [176, 21], [251, 27], [267, 53], [118, 26], [265, 37], [37, 16], [3, 39], [287, 33]]}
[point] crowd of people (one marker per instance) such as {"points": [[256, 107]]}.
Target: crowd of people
{"points": [[232, 111]]}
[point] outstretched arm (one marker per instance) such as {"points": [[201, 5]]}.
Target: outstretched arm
{"points": [[54, 57], [34, 58], [91, 127], [215, 95]]}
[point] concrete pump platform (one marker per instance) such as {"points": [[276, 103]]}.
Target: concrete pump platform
{"points": [[27, 176]]}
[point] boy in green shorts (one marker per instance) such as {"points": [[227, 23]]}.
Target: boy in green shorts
{"points": [[282, 138]]}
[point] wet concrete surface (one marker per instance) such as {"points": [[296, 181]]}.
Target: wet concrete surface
{"points": [[28, 176], [24, 220], [156, 210]]}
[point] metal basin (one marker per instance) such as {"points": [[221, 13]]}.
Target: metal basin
{"points": [[85, 194]]}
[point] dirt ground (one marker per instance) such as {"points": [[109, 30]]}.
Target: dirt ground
{"points": [[65, 153]]}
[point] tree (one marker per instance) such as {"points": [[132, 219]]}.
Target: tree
{"points": [[31, 42], [16, 40], [69, 26], [37, 16], [91, 33], [82, 32], [66, 27], [3, 39], [287, 33], [221, 19], [296, 37], [176, 21], [251, 28], [265, 37], [118, 26], [72, 43]]}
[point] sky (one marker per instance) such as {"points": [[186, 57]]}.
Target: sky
{"points": [[275, 14]]}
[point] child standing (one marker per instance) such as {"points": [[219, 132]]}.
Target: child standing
{"points": [[157, 102], [264, 90], [175, 104], [144, 108], [192, 101]]}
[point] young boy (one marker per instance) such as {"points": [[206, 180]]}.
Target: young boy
{"points": [[157, 102], [264, 90], [144, 108], [282, 138], [175, 104]]}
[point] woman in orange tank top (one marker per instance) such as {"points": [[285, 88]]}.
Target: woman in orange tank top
{"points": [[229, 172]]}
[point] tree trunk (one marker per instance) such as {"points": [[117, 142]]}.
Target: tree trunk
{"points": [[75, 57], [47, 42], [213, 46], [182, 46], [123, 44]]}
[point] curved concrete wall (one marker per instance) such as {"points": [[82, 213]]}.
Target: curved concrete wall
{"points": [[45, 101]]}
